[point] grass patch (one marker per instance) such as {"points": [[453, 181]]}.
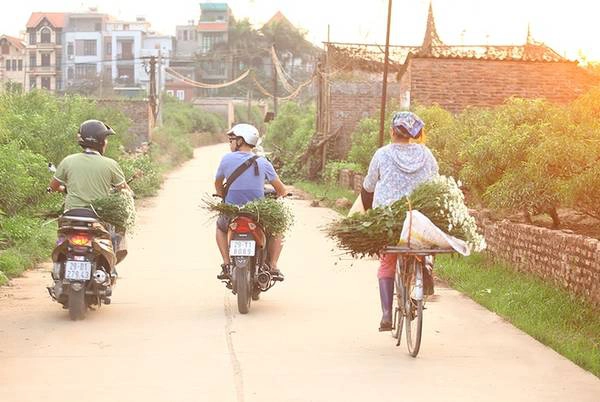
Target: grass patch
{"points": [[564, 322], [327, 193]]}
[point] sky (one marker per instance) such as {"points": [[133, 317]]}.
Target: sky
{"points": [[572, 28]]}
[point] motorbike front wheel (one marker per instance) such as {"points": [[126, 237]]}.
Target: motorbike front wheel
{"points": [[77, 307], [243, 279]]}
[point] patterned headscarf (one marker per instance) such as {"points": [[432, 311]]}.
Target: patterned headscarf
{"points": [[410, 121]]}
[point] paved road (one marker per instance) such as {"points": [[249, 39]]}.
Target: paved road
{"points": [[173, 332]]}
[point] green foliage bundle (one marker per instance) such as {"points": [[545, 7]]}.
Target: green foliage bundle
{"points": [[118, 209], [273, 215], [440, 199]]}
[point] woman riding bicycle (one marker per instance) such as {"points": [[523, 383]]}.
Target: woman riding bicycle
{"points": [[394, 172]]}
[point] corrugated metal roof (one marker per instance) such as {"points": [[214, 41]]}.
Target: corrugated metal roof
{"points": [[214, 7]]}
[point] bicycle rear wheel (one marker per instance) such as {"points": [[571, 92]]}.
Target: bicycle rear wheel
{"points": [[413, 304]]}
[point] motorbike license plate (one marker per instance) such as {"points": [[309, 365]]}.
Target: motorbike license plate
{"points": [[78, 270], [242, 248]]}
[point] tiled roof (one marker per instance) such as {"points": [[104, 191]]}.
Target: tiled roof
{"points": [[279, 18], [56, 19], [16, 42]]}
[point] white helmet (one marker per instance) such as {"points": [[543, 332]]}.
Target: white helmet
{"points": [[247, 131]]}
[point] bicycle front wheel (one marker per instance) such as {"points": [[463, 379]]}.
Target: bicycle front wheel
{"points": [[413, 304]]}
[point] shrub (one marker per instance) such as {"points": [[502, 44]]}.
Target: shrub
{"points": [[24, 178]]}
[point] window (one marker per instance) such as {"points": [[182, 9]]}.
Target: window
{"points": [[125, 27], [85, 47], [70, 73], [70, 49], [45, 35], [170, 92], [98, 27], [14, 65], [46, 83], [59, 83], [45, 59], [32, 82], [32, 59], [89, 48], [209, 39], [58, 60], [180, 94], [7, 65], [5, 47], [20, 65], [32, 38], [85, 71], [185, 35]]}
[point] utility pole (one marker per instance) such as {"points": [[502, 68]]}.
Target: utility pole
{"points": [[250, 106], [385, 74], [160, 89], [274, 85], [152, 95]]}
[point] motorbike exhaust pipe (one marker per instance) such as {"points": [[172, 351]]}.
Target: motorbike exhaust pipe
{"points": [[264, 280]]}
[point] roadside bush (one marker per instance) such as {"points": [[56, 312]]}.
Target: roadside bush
{"points": [[48, 125], [24, 178], [149, 183], [288, 136], [190, 119]]}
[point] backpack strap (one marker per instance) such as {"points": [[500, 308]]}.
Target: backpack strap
{"points": [[238, 172]]}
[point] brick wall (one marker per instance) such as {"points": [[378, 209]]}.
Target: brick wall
{"points": [[351, 102], [458, 83], [138, 111], [568, 260], [564, 259]]}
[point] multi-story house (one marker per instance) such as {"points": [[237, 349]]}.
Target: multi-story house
{"points": [[198, 55], [44, 51], [12, 59], [85, 42], [125, 50], [213, 29]]}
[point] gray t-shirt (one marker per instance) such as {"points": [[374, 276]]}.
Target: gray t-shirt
{"points": [[396, 170]]}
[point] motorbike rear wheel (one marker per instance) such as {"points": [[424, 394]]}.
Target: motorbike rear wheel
{"points": [[243, 278], [77, 306]]}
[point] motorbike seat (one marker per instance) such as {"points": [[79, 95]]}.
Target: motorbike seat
{"points": [[81, 213]]}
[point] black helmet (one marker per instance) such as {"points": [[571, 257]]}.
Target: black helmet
{"points": [[93, 133]]}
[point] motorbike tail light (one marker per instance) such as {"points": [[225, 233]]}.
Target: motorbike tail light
{"points": [[242, 225], [80, 239]]}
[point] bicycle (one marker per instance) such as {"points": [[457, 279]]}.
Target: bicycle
{"points": [[409, 299]]}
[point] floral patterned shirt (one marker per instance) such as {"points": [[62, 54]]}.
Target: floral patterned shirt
{"points": [[396, 170]]}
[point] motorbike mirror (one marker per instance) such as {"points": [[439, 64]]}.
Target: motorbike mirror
{"points": [[51, 167]]}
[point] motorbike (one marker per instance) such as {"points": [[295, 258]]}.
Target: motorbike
{"points": [[249, 273], [84, 261]]}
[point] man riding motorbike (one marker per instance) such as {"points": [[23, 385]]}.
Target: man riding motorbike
{"points": [[89, 175], [248, 186]]}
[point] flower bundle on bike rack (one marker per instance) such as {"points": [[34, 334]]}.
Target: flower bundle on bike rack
{"points": [[440, 199], [273, 215]]}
